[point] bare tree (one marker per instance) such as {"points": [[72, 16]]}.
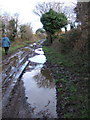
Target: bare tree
{"points": [[26, 32], [9, 24], [16, 15], [5, 18], [44, 7]]}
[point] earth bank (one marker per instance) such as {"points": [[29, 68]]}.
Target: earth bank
{"points": [[71, 86]]}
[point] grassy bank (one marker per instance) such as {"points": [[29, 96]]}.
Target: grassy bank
{"points": [[74, 61], [70, 76]]}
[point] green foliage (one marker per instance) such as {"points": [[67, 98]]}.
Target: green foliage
{"points": [[40, 30], [72, 60], [56, 81], [72, 88], [61, 80], [41, 33], [68, 115], [53, 21], [60, 89], [60, 59]]}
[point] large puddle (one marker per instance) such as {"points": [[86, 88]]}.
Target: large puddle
{"points": [[40, 88]]}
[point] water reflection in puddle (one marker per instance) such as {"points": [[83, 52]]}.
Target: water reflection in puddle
{"points": [[38, 59], [39, 51], [40, 89]]}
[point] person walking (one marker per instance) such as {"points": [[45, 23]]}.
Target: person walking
{"points": [[5, 43]]}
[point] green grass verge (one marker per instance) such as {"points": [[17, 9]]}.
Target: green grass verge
{"points": [[57, 58], [72, 60], [70, 91]]}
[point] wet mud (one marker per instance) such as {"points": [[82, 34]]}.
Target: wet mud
{"points": [[28, 90]]}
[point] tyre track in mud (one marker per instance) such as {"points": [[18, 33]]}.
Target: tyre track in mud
{"points": [[14, 103]]}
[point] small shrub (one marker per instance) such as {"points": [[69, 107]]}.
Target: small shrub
{"points": [[56, 81], [60, 89], [63, 80]]}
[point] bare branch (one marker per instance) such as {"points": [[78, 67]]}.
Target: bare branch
{"points": [[44, 7]]}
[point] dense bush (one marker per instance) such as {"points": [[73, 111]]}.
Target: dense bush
{"points": [[68, 40]]}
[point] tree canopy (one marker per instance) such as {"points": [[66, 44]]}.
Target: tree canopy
{"points": [[53, 21], [40, 30]]}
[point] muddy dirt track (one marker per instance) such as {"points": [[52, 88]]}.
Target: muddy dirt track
{"points": [[27, 85]]}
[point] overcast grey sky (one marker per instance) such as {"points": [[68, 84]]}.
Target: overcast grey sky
{"points": [[25, 10]]}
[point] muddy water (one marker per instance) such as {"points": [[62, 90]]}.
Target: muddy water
{"points": [[39, 87]]}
